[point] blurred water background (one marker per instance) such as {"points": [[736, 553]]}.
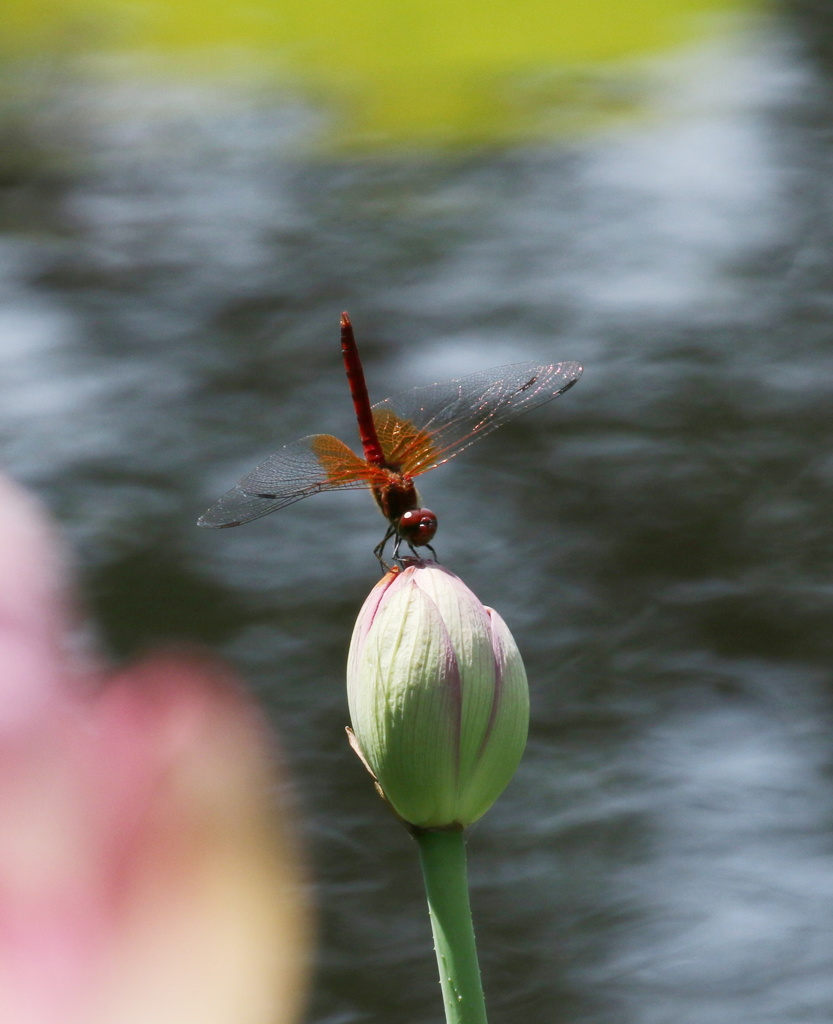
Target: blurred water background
{"points": [[190, 197]]}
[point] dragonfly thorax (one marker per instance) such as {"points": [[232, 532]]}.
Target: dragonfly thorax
{"points": [[395, 495]]}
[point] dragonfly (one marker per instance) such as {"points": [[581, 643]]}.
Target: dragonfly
{"points": [[402, 437]]}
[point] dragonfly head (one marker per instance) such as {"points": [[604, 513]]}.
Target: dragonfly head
{"points": [[417, 526]]}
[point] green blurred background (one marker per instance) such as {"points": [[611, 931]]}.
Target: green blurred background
{"points": [[402, 72]]}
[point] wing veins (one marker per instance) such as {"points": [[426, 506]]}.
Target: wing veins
{"points": [[424, 410], [319, 462]]}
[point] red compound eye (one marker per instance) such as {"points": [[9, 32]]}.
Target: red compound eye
{"points": [[418, 526]]}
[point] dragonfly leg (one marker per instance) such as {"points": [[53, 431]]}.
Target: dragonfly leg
{"points": [[380, 547], [396, 547], [418, 555]]}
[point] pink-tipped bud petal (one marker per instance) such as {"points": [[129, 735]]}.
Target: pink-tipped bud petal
{"points": [[438, 697]]}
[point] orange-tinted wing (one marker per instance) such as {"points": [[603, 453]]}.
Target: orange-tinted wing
{"points": [[316, 463], [424, 427]]}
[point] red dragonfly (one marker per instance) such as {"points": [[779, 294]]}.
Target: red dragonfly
{"points": [[402, 437]]}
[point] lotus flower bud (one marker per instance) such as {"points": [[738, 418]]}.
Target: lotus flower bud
{"points": [[438, 697]]}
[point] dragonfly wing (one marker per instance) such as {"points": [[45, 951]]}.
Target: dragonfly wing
{"points": [[237, 507], [424, 427], [316, 463]]}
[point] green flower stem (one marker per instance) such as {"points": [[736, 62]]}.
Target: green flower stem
{"points": [[442, 856]]}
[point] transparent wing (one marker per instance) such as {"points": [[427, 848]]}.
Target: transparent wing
{"points": [[316, 463], [424, 427]]}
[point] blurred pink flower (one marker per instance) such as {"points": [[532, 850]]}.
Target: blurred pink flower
{"points": [[147, 870]]}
